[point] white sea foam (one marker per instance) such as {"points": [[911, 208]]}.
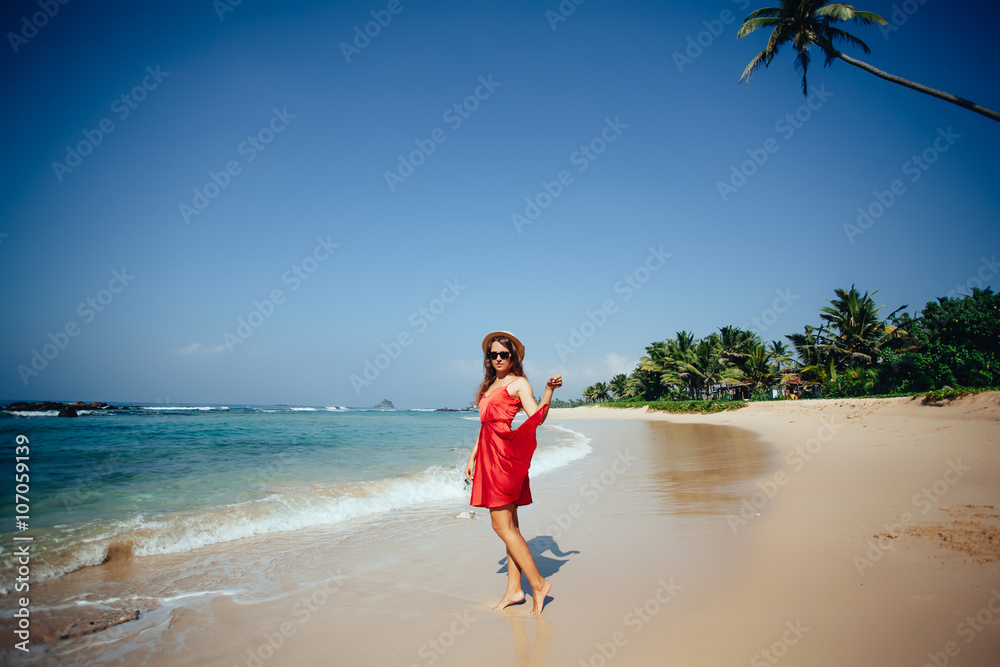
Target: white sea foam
{"points": [[289, 508], [303, 409], [202, 408], [556, 456]]}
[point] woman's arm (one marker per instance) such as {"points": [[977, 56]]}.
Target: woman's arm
{"points": [[527, 396], [471, 468]]}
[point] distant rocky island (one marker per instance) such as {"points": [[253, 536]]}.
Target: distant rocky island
{"points": [[73, 409], [64, 409]]}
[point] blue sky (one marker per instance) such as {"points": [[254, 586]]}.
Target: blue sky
{"points": [[248, 157]]}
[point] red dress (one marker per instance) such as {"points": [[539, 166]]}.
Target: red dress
{"points": [[503, 456]]}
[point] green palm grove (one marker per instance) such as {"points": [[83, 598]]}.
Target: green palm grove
{"points": [[854, 351]]}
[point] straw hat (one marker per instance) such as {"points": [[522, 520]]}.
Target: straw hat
{"points": [[506, 334]]}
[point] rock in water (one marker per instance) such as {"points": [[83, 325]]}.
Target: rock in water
{"points": [[89, 627]]}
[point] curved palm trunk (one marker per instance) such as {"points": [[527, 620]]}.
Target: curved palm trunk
{"points": [[947, 97]]}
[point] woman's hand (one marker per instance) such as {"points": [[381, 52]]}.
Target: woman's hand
{"points": [[554, 382], [469, 470]]}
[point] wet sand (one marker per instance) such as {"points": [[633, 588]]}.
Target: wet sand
{"points": [[877, 541], [812, 532]]}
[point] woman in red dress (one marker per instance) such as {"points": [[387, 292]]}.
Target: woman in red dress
{"points": [[498, 465]]}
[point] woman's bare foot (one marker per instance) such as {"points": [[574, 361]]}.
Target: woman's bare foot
{"points": [[509, 598], [538, 597]]}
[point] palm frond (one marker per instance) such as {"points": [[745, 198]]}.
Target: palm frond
{"points": [[867, 18], [837, 35], [750, 25], [758, 60], [802, 65], [836, 11], [804, 23], [773, 12]]}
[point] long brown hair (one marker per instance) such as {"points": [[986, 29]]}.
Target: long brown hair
{"points": [[490, 373]]}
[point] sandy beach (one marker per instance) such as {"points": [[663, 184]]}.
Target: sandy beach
{"points": [[874, 540], [822, 532]]}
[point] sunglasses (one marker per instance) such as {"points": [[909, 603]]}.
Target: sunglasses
{"points": [[497, 355]]}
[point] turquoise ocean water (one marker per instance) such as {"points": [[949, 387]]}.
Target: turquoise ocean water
{"points": [[175, 478]]}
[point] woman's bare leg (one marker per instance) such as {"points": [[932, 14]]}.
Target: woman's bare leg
{"points": [[514, 594], [507, 529]]}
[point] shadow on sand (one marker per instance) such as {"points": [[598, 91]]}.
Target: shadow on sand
{"points": [[547, 566]]}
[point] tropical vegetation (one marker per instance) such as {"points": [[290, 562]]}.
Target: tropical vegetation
{"points": [[803, 24], [952, 344]]}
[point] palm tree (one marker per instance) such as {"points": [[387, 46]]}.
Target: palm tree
{"points": [[780, 352], [643, 383], [619, 385], [805, 23], [736, 342], [682, 342], [703, 366], [601, 392], [807, 346], [856, 335], [658, 360], [759, 369], [818, 375]]}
